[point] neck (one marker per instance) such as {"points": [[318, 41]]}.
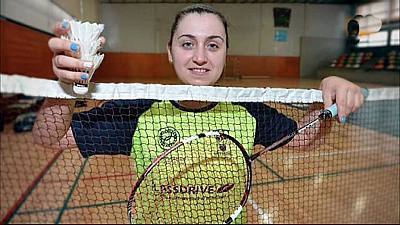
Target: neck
{"points": [[194, 104]]}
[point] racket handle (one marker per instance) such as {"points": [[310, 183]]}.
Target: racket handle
{"points": [[364, 92], [332, 111]]}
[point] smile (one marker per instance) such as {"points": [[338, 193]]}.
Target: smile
{"points": [[199, 70]]}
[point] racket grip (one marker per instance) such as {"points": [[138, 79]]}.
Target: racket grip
{"points": [[365, 92], [332, 111]]}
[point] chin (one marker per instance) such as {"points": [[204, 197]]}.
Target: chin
{"points": [[189, 78], [198, 82]]}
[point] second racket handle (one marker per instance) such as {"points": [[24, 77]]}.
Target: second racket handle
{"points": [[333, 110]]}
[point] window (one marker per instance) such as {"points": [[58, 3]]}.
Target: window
{"points": [[385, 10], [388, 12], [394, 37], [374, 39], [395, 14]]}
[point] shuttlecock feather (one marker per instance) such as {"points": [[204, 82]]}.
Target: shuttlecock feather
{"points": [[87, 35]]}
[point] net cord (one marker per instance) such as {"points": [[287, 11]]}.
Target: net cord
{"points": [[30, 86]]}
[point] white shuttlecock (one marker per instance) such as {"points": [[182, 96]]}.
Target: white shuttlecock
{"points": [[87, 35]]}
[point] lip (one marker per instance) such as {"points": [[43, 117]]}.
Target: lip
{"points": [[199, 71]]}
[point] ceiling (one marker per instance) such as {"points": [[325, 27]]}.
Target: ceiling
{"points": [[238, 1]]}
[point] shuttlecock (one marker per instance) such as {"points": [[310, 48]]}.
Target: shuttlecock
{"points": [[87, 35]]}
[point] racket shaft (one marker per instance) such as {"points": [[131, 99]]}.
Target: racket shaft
{"points": [[325, 114], [330, 112]]}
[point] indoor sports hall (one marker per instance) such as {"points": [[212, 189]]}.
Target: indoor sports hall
{"points": [[207, 111]]}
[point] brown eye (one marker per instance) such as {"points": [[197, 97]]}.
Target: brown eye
{"points": [[213, 46], [187, 45]]}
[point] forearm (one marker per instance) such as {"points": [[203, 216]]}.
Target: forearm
{"points": [[53, 122]]}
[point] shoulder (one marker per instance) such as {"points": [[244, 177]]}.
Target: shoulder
{"points": [[264, 113], [126, 108], [257, 109]]}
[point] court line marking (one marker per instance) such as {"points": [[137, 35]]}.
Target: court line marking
{"points": [[73, 207], [24, 196], [69, 196], [366, 169], [92, 178], [270, 169], [343, 152], [262, 214], [255, 184]]}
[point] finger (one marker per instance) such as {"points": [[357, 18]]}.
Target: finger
{"points": [[62, 61], [70, 76], [357, 103], [341, 101], [359, 100], [328, 99], [351, 99], [58, 45], [61, 28]]}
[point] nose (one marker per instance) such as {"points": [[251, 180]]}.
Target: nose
{"points": [[200, 57]]}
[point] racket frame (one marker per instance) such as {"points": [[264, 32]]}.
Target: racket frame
{"points": [[217, 134]]}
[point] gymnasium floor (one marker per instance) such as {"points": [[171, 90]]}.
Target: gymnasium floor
{"points": [[353, 177]]}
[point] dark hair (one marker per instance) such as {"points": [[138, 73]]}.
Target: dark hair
{"points": [[200, 9]]}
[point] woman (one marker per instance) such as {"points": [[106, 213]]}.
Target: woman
{"points": [[197, 50]]}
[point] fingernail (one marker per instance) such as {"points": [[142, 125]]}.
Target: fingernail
{"points": [[84, 76], [88, 65], [65, 24], [343, 119], [74, 47]]}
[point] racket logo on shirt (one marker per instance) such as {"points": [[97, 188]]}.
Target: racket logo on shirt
{"points": [[168, 137]]}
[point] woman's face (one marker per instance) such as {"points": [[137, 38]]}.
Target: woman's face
{"points": [[198, 49]]}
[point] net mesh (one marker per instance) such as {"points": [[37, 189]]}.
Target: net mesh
{"points": [[348, 174], [198, 182]]}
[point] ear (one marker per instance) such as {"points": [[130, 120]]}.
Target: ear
{"points": [[170, 59]]}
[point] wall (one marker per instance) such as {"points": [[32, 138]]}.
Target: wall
{"points": [[24, 47], [128, 67], [138, 34], [40, 14], [317, 52], [87, 10], [145, 28], [324, 36], [24, 51]]}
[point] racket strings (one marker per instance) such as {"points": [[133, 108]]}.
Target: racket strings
{"points": [[197, 183]]}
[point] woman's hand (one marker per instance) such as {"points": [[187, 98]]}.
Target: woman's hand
{"points": [[66, 60], [345, 94]]}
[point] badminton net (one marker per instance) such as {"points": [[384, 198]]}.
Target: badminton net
{"points": [[81, 169]]}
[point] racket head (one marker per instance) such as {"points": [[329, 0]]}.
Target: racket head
{"points": [[205, 178]]}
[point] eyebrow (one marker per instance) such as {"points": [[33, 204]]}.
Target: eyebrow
{"points": [[209, 37]]}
